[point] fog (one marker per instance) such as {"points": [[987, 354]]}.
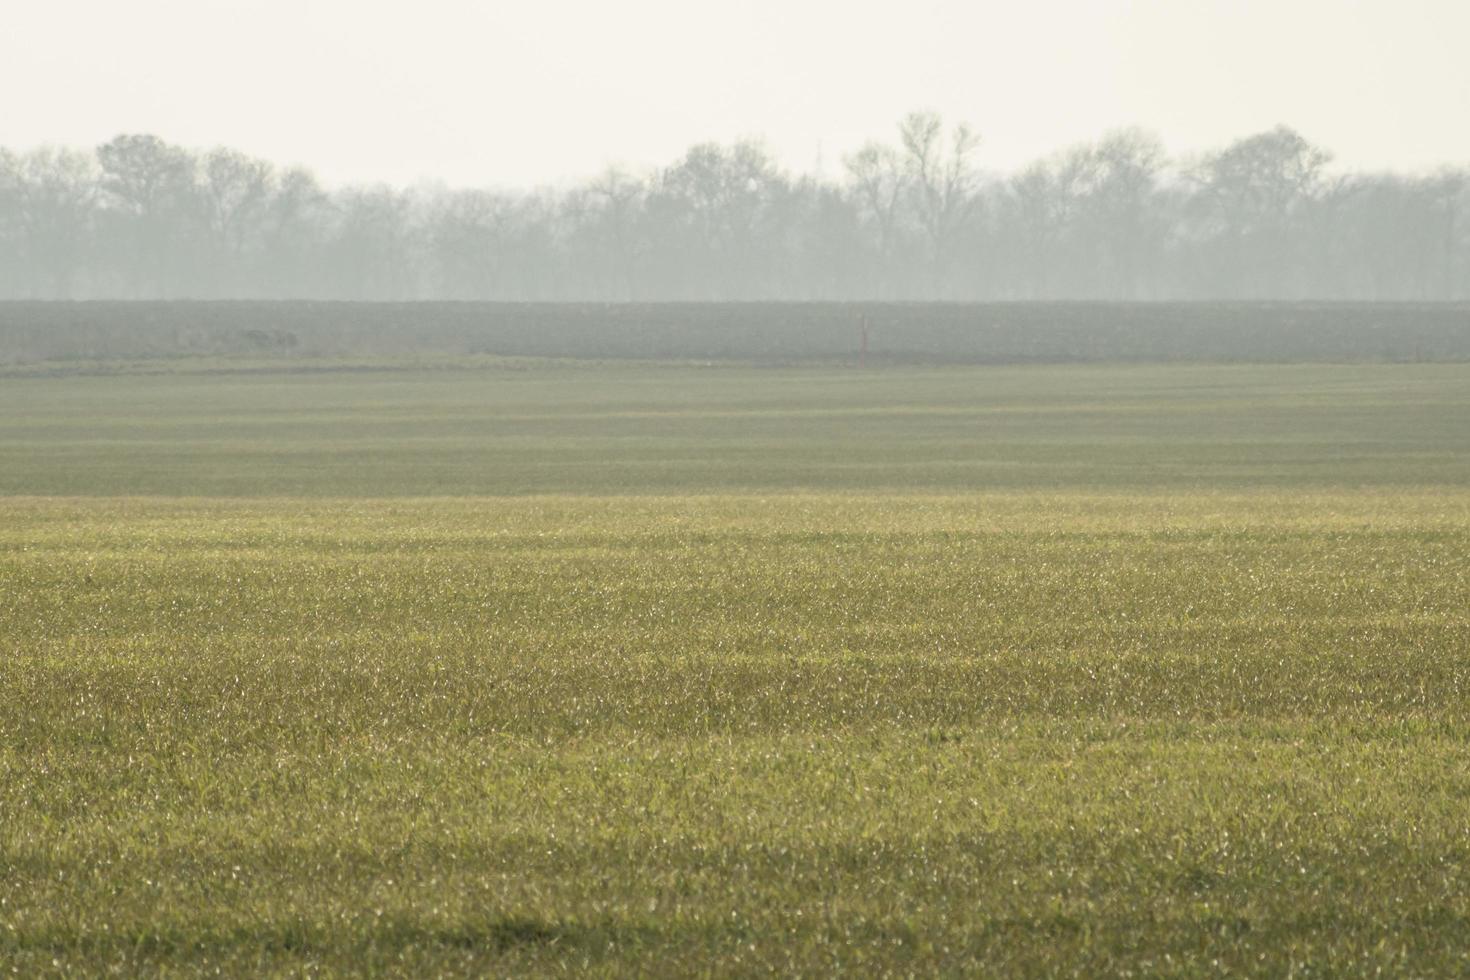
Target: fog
{"points": [[912, 215], [1066, 149]]}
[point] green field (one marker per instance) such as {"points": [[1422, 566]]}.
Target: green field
{"points": [[508, 666]]}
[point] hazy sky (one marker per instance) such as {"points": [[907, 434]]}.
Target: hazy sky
{"points": [[481, 92]]}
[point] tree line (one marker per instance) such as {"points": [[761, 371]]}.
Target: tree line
{"points": [[914, 217]]}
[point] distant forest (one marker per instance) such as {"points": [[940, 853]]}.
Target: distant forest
{"points": [[918, 217]]}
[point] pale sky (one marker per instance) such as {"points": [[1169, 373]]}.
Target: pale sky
{"points": [[486, 93]]}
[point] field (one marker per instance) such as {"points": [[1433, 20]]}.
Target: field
{"points": [[767, 333], [488, 666]]}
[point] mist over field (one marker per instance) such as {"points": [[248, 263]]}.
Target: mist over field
{"points": [[67, 337], [670, 489], [914, 214]]}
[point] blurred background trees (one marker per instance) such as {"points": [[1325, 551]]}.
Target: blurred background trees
{"points": [[913, 217]]}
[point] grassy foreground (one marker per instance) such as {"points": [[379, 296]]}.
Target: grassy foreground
{"points": [[1074, 723]]}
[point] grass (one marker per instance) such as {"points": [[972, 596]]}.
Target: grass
{"points": [[517, 428], [1106, 671]]}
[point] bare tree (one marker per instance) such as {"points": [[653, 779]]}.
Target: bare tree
{"points": [[294, 228], [371, 249], [1254, 191], [1046, 200], [620, 200], [716, 202], [55, 195], [1125, 209], [880, 182], [942, 181], [236, 193], [1449, 188], [150, 186], [471, 236]]}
